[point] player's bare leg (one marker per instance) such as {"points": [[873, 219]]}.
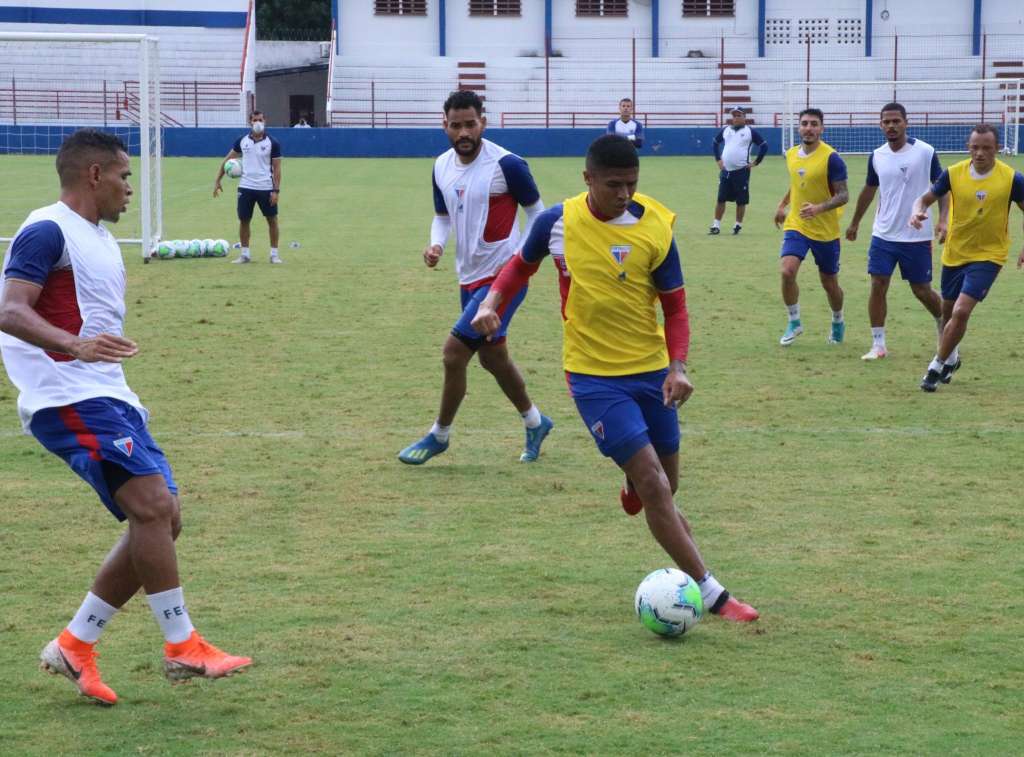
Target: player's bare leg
{"points": [[455, 356], [789, 267], [496, 360], [672, 530], [244, 234], [275, 236], [955, 314], [719, 212], [834, 292], [929, 298], [878, 309]]}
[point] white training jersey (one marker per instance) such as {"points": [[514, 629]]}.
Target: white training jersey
{"points": [[736, 145], [79, 267], [902, 177], [257, 154]]}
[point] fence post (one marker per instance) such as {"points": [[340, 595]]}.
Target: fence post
{"points": [[547, 91], [984, 55], [721, 81], [807, 75], [895, 62], [373, 105], [195, 100], [14, 100], [633, 94]]}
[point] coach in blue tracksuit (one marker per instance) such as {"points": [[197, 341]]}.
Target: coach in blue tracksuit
{"points": [[732, 147]]}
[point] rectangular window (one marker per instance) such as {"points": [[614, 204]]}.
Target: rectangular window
{"points": [[709, 8], [495, 7], [400, 7], [602, 7]]}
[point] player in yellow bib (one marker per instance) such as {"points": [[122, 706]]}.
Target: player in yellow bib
{"points": [[978, 241], [616, 257], [817, 192]]}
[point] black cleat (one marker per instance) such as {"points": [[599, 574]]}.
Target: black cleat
{"points": [[736, 229], [931, 380], [948, 370], [714, 231]]}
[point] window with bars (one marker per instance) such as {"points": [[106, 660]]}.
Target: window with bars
{"points": [[708, 8], [400, 7], [602, 7], [495, 7]]}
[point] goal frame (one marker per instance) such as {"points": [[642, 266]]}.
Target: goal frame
{"points": [[150, 182], [1011, 111]]}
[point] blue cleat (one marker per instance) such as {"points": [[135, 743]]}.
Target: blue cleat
{"points": [[838, 331], [793, 330], [534, 438], [423, 450]]}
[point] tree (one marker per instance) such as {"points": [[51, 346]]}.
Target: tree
{"points": [[293, 19]]}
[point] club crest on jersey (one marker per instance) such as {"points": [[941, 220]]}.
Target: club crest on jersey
{"points": [[620, 252], [981, 194], [126, 445], [459, 194], [598, 429], [801, 172]]}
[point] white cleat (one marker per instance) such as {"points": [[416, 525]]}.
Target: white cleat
{"points": [[242, 259], [275, 259], [875, 353]]}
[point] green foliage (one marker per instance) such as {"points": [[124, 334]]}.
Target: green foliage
{"points": [[476, 605], [293, 19]]}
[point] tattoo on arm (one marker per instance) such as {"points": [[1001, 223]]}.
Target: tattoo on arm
{"points": [[841, 196]]}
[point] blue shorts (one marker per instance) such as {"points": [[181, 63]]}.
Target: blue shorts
{"points": [[248, 198], [914, 259], [105, 441], [826, 254], [626, 413], [471, 299], [972, 279], [734, 186]]}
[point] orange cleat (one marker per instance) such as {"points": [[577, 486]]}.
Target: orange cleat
{"points": [[630, 499], [197, 658], [76, 660], [737, 611]]}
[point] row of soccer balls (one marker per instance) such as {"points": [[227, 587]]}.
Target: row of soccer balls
{"points": [[191, 248]]}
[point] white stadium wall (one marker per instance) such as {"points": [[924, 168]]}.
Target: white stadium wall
{"points": [[361, 34], [202, 43]]}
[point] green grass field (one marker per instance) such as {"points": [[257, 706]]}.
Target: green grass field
{"points": [[476, 605]]}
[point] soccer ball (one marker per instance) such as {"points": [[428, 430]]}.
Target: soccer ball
{"points": [[668, 602], [233, 168], [219, 248], [195, 248], [208, 248], [180, 248], [164, 250]]}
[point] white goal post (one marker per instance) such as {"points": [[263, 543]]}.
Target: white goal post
{"points": [[54, 83], [941, 113]]}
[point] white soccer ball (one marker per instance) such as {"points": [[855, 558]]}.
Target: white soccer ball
{"points": [[220, 248], [164, 250], [195, 248], [233, 168], [668, 602], [207, 247], [180, 248]]}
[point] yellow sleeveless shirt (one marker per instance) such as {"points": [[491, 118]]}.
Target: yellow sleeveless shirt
{"points": [[808, 182]]}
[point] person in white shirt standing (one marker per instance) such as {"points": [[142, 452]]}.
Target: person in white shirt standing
{"points": [[903, 169], [62, 311], [732, 147], [478, 190], [260, 183], [625, 125]]}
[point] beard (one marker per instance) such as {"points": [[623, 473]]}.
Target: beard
{"points": [[466, 146]]}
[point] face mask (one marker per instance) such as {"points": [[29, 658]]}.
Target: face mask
{"points": [[257, 127]]}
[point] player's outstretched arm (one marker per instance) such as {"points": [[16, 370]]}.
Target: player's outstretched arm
{"points": [[217, 188], [19, 319], [920, 213], [864, 199]]}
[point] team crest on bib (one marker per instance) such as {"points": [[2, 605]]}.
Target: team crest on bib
{"points": [[981, 194], [598, 429], [801, 172], [620, 252], [459, 194], [126, 445]]}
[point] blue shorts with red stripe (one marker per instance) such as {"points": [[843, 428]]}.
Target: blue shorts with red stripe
{"points": [[471, 299], [626, 413], [105, 441]]}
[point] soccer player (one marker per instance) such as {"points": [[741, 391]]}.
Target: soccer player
{"points": [[260, 183], [478, 189], [817, 191], [625, 126], [904, 169], [978, 241], [62, 338], [732, 153], [616, 255]]}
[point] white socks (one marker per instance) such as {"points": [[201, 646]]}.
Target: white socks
{"points": [[794, 312], [245, 252], [837, 316], [91, 619], [169, 610], [878, 336], [935, 365], [716, 224], [531, 417], [440, 432], [710, 590], [273, 252]]}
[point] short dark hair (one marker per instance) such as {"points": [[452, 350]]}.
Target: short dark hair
{"points": [[893, 106], [463, 98], [813, 112], [625, 100], [611, 151], [256, 113], [985, 129], [82, 149]]}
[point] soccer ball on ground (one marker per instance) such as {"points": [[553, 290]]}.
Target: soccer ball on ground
{"points": [[195, 248], [164, 250], [668, 602], [219, 248], [233, 168]]}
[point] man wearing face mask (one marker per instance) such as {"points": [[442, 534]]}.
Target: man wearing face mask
{"points": [[260, 183]]}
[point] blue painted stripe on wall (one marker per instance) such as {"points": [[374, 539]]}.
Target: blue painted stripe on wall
{"points": [[112, 17]]}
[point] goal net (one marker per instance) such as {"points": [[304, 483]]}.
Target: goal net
{"points": [[942, 113], [52, 84]]}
